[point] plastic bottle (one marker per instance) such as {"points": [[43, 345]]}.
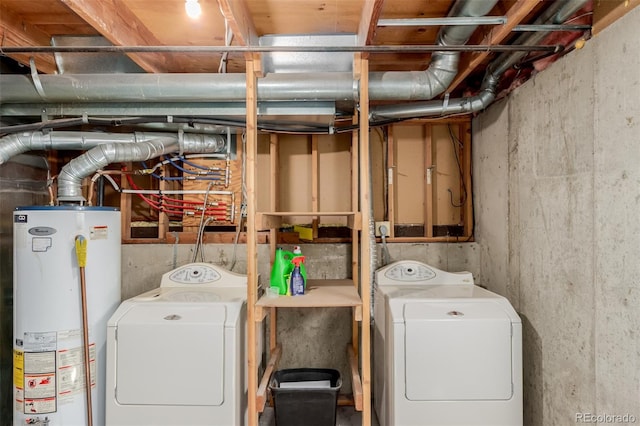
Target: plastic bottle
{"points": [[297, 252], [297, 280], [281, 270]]}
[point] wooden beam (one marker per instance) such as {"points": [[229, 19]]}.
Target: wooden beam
{"points": [[371, 11], [497, 35], [467, 210], [14, 31], [365, 249], [356, 382], [391, 179], [236, 12], [252, 246], [261, 395], [429, 210], [118, 24], [607, 12], [315, 184]]}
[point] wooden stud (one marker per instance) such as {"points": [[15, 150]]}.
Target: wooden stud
{"points": [[273, 326], [391, 180], [163, 218], [467, 209], [429, 210], [261, 395], [274, 189], [365, 272], [356, 382], [355, 206], [125, 208], [252, 252], [315, 183]]}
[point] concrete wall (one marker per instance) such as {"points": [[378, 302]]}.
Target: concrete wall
{"points": [[314, 338], [557, 194]]}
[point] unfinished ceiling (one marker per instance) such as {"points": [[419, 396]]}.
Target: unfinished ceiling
{"points": [[396, 35]]}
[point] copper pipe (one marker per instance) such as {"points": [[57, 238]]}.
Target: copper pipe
{"points": [[81, 254]]}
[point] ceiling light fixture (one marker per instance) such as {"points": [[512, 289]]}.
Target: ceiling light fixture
{"points": [[193, 9]]}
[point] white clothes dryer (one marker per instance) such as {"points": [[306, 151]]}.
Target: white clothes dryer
{"points": [[445, 351], [176, 354]]}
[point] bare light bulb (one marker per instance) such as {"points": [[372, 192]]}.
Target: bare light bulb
{"points": [[193, 9]]}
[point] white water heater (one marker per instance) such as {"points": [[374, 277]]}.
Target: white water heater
{"points": [[48, 356]]}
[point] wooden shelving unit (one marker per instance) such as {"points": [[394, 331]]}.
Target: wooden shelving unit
{"points": [[350, 293]]}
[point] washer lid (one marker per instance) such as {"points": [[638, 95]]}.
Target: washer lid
{"points": [[203, 275], [410, 272], [171, 354], [457, 351]]}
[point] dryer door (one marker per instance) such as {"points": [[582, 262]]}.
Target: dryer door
{"points": [[456, 351], [171, 354]]}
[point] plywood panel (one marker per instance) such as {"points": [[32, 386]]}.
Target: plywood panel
{"points": [[446, 176], [378, 151], [263, 174], [295, 174], [334, 175], [410, 172], [230, 202]]}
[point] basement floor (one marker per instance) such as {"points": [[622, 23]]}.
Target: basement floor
{"points": [[346, 416]]}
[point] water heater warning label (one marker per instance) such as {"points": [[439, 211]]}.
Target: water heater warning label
{"points": [[99, 232], [39, 382], [18, 368]]}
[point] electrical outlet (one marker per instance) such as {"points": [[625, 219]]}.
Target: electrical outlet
{"points": [[386, 224]]}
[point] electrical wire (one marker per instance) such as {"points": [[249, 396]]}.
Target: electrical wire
{"points": [[201, 227], [243, 201], [454, 141]]}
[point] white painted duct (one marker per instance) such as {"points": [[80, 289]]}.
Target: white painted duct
{"points": [[414, 85], [557, 13]]}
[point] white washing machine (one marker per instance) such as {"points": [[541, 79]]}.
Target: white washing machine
{"points": [[446, 352], [176, 354]]}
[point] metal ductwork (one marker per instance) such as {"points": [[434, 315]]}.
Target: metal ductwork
{"points": [[557, 13], [104, 149], [19, 143], [71, 175], [98, 157], [336, 86]]}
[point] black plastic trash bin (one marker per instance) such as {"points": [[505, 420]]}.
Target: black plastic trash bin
{"points": [[305, 396]]}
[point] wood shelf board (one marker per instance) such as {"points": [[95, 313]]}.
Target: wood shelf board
{"points": [[319, 294], [269, 220]]}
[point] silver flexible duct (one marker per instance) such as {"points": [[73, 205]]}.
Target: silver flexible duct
{"points": [[557, 13], [71, 175], [414, 85], [19, 143]]}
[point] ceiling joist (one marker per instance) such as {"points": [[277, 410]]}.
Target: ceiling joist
{"points": [[498, 34], [15, 32], [115, 21]]}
